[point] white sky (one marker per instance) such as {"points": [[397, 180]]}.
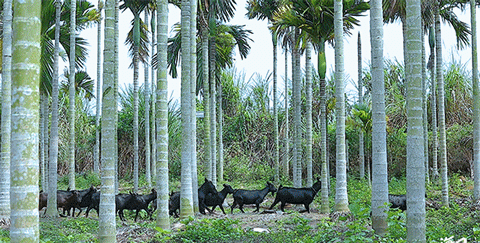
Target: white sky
{"points": [[259, 60]]}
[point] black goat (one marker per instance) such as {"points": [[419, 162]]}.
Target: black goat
{"points": [[174, 203], [293, 195], [216, 199], [142, 202], [94, 204], [85, 199], [125, 201], [398, 201], [242, 197]]}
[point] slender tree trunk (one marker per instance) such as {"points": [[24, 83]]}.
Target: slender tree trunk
{"points": [[433, 70], [163, 220], [147, 116], [153, 129], [275, 110], [308, 78], [135, 102], [206, 106], [379, 123], [53, 154], [294, 148], [115, 90], [186, 197], [96, 151], [321, 62], [71, 90], [297, 149], [286, 156], [415, 153], [361, 146], [6, 111], [220, 134], [341, 196], [213, 117], [107, 222], [42, 134], [424, 107], [193, 97], [441, 111], [476, 104], [25, 120]]}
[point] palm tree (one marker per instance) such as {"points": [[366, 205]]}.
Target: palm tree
{"points": [[431, 66], [186, 197], [264, 9], [147, 116], [296, 83], [71, 110], [25, 118], [154, 99], [308, 84], [107, 224], [415, 153], [360, 102], [163, 220], [136, 41], [96, 159], [6, 111], [341, 197], [476, 104], [53, 154], [379, 124]]}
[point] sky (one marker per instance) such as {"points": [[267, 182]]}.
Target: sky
{"points": [[260, 59]]}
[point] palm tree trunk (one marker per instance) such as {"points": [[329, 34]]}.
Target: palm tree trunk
{"points": [[107, 222], [341, 196], [424, 107], [163, 220], [433, 75], [220, 134], [308, 75], [147, 117], [321, 62], [115, 90], [286, 155], [41, 137], [275, 110], [441, 111], [294, 148], [297, 150], [25, 117], [71, 89], [193, 97], [45, 121], [135, 104], [476, 104], [96, 151], [153, 129], [379, 124], [415, 153], [360, 102], [53, 154], [6, 111], [213, 104], [186, 197], [206, 105]]}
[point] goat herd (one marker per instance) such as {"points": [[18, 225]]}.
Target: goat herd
{"points": [[208, 196]]}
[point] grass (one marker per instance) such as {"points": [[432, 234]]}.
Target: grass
{"points": [[460, 220]]}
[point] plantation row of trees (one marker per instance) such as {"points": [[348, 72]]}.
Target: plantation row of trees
{"points": [[132, 133]]}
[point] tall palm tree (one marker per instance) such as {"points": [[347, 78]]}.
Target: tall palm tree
{"points": [[193, 98], [476, 104], [96, 159], [107, 224], [360, 102], [25, 117], [146, 67], [6, 111], [431, 65], [71, 110], [264, 9], [441, 107], [415, 153], [341, 197], [308, 115], [186, 197], [115, 90], [296, 83], [161, 121], [154, 98], [379, 124], [136, 41], [53, 154]]}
